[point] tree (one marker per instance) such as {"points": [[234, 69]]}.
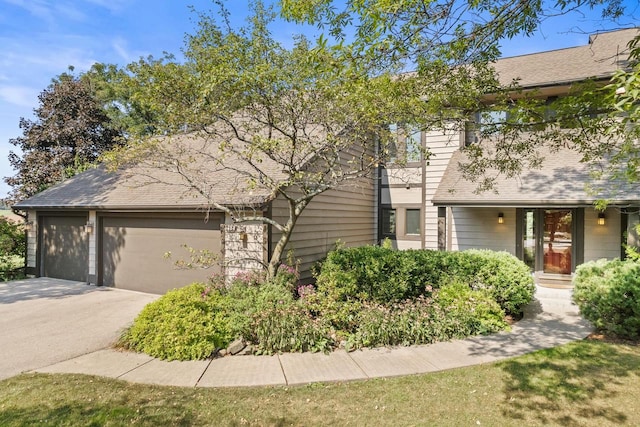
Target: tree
{"points": [[69, 133], [12, 247], [317, 110], [420, 33], [301, 121], [445, 39]]}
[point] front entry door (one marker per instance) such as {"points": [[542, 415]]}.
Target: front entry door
{"points": [[549, 239], [557, 241]]}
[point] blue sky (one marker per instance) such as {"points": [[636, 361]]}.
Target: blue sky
{"points": [[39, 39]]}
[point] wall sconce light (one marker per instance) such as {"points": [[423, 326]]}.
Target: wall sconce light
{"points": [[601, 218], [88, 227], [500, 218], [29, 226]]}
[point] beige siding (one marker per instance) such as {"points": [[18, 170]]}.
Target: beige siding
{"points": [[401, 196], [406, 190], [478, 228], [345, 214], [442, 145], [602, 241]]}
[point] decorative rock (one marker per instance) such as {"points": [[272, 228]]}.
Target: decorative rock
{"points": [[222, 352], [236, 346], [248, 350]]}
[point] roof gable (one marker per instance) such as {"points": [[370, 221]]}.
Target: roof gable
{"points": [[601, 57]]}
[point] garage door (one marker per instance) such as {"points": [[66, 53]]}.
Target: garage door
{"points": [[65, 247], [133, 251]]}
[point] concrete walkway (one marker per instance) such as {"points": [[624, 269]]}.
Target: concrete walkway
{"points": [[551, 320]]}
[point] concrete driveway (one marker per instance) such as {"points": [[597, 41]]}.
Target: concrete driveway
{"points": [[45, 321]]}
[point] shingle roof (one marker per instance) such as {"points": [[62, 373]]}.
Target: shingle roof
{"points": [[561, 180], [147, 186], [601, 57]]}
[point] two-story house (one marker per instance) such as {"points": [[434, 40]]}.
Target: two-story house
{"points": [[546, 216]]}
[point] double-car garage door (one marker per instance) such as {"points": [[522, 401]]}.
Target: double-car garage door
{"points": [[130, 249]]}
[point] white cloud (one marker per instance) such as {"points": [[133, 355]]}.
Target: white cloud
{"points": [[120, 46], [111, 5], [22, 96], [38, 8]]}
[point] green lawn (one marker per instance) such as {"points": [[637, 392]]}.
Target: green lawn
{"points": [[586, 383]]}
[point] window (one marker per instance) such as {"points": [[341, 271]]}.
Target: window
{"points": [[412, 221], [413, 145], [388, 222], [392, 147], [405, 144]]}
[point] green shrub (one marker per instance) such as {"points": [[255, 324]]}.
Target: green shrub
{"points": [[382, 275], [508, 279], [454, 312], [475, 310], [415, 321], [288, 327], [12, 249], [184, 324], [608, 295], [243, 301]]}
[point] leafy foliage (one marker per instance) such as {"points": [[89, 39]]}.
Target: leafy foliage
{"points": [[455, 312], [378, 274], [12, 247], [452, 32], [301, 120], [290, 327], [246, 298], [70, 131], [608, 294], [184, 324], [279, 315]]}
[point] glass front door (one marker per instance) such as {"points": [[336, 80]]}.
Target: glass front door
{"points": [[548, 241], [558, 241]]}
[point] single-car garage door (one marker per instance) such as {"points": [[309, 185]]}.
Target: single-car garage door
{"points": [[133, 250], [64, 247]]}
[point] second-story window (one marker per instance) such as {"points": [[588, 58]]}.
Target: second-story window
{"points": [[413, 145], [405, 145]]}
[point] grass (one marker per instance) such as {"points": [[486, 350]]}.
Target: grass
{"points": [[581, 384]]}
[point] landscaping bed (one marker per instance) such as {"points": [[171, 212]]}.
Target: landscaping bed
{"points": [[368, 296]]}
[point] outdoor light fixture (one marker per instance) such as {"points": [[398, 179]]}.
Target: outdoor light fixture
{"points": [[500, 218], [601, 218], [88, 228]]}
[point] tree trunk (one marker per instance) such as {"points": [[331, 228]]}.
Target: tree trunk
{"points": [[276, 255]]}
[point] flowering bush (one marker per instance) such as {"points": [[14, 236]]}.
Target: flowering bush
{"points": [[290, 327]]}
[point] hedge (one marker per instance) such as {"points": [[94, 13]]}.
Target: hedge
{"points": [[382, 275], [608, 295]]}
